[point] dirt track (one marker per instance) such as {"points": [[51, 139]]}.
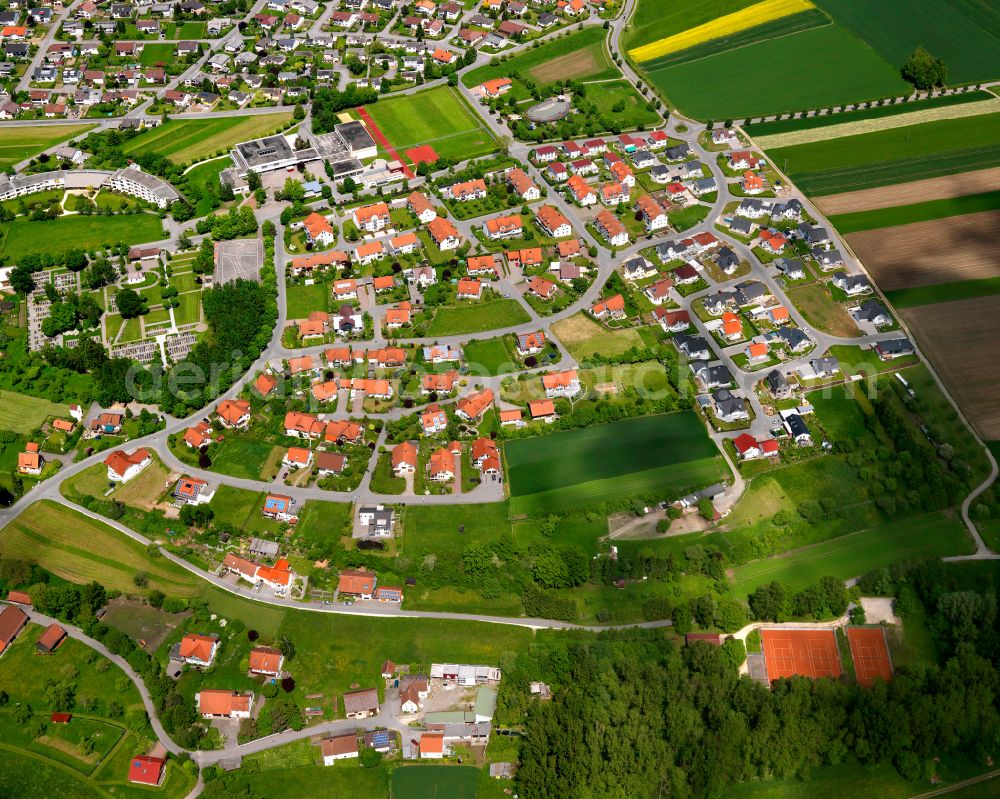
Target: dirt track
{"points": [[918, 191], [958, 339], [926, 253]]}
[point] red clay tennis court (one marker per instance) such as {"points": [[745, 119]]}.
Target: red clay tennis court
{"points": [[807, 653], [870, 654]]}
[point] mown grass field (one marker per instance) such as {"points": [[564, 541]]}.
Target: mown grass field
{"points": [[934, 535], [423, 782], [20, 413], [489, 356], [478, 318], [24, 142], [960, 32], [187, 140], [579, 56], [583, 337], [944, 292], [664, 455], [438, 117], [303, 300], [916, 212], [892, 156], [21, 236], [745, 81], [78, 548]]}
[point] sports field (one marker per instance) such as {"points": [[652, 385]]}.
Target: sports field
{"points": [[892, 156], [870, 655], [664, 455], [934, 535], [964, 33], [435, 782], [916, 212], [20, 143], [21, 236], [578, 56], [80, 549], [806, 653], [744, 81], [20, 413], [438, 117], [187, 140]]}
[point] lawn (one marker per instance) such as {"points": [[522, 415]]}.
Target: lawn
{"points": [[21, 143], [820, 310], [425, 782], [584, 337], [930, 536], [477, 318], [842, 414], [885, 157], [157, 53], [205, 178], [608, 95], [663, 455], [958, 32], [189, 310], [944, 292], [184, 141], [21, 236], [742, 82], [303, 300], [438, 117], [240, 456], [78, 548], [489, 356], [916, 212], [579, 56], [20, 413], [323, 522]]}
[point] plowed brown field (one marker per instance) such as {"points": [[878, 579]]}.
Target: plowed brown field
{"points": [[907, 193], [924, 253], [959, 340]]}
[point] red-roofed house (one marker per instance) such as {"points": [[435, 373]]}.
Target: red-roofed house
{"points": [[404, 458], [561, 384], [318, 229], [611, 308], [469, 289], [123, 467], [146, 770], [472, 406], [266, 660], [198, 650], [372, 218], [224, 704], [234, 413], [357, 583]]}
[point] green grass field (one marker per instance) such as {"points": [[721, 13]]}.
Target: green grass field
{"points": [[934, 535], [489, 356], [76, 547], [892, 156], [438, 117], [579, 56], [240, 456], [944, 292], [958, 32], [606, 95], [157, 53], [583, 337], [425, 782], [21, 236], [24, 142], [303, 300], [916, 212], [756, 80], [183, 141], [773, 128], [20, 413], [478, 318], [663, 455]]}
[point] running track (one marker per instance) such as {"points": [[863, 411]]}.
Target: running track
{"points": [[379, 136]]}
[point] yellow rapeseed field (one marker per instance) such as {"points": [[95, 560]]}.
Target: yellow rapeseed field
{"points": [[757, 14]]}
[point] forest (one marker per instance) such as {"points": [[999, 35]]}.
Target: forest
{"points": [[637, 715]]}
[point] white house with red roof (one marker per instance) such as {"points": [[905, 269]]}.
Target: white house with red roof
{"points": [[123, 466]]}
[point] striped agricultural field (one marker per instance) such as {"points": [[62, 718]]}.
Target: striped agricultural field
{"points": [[752, 16], [859, 126]]}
